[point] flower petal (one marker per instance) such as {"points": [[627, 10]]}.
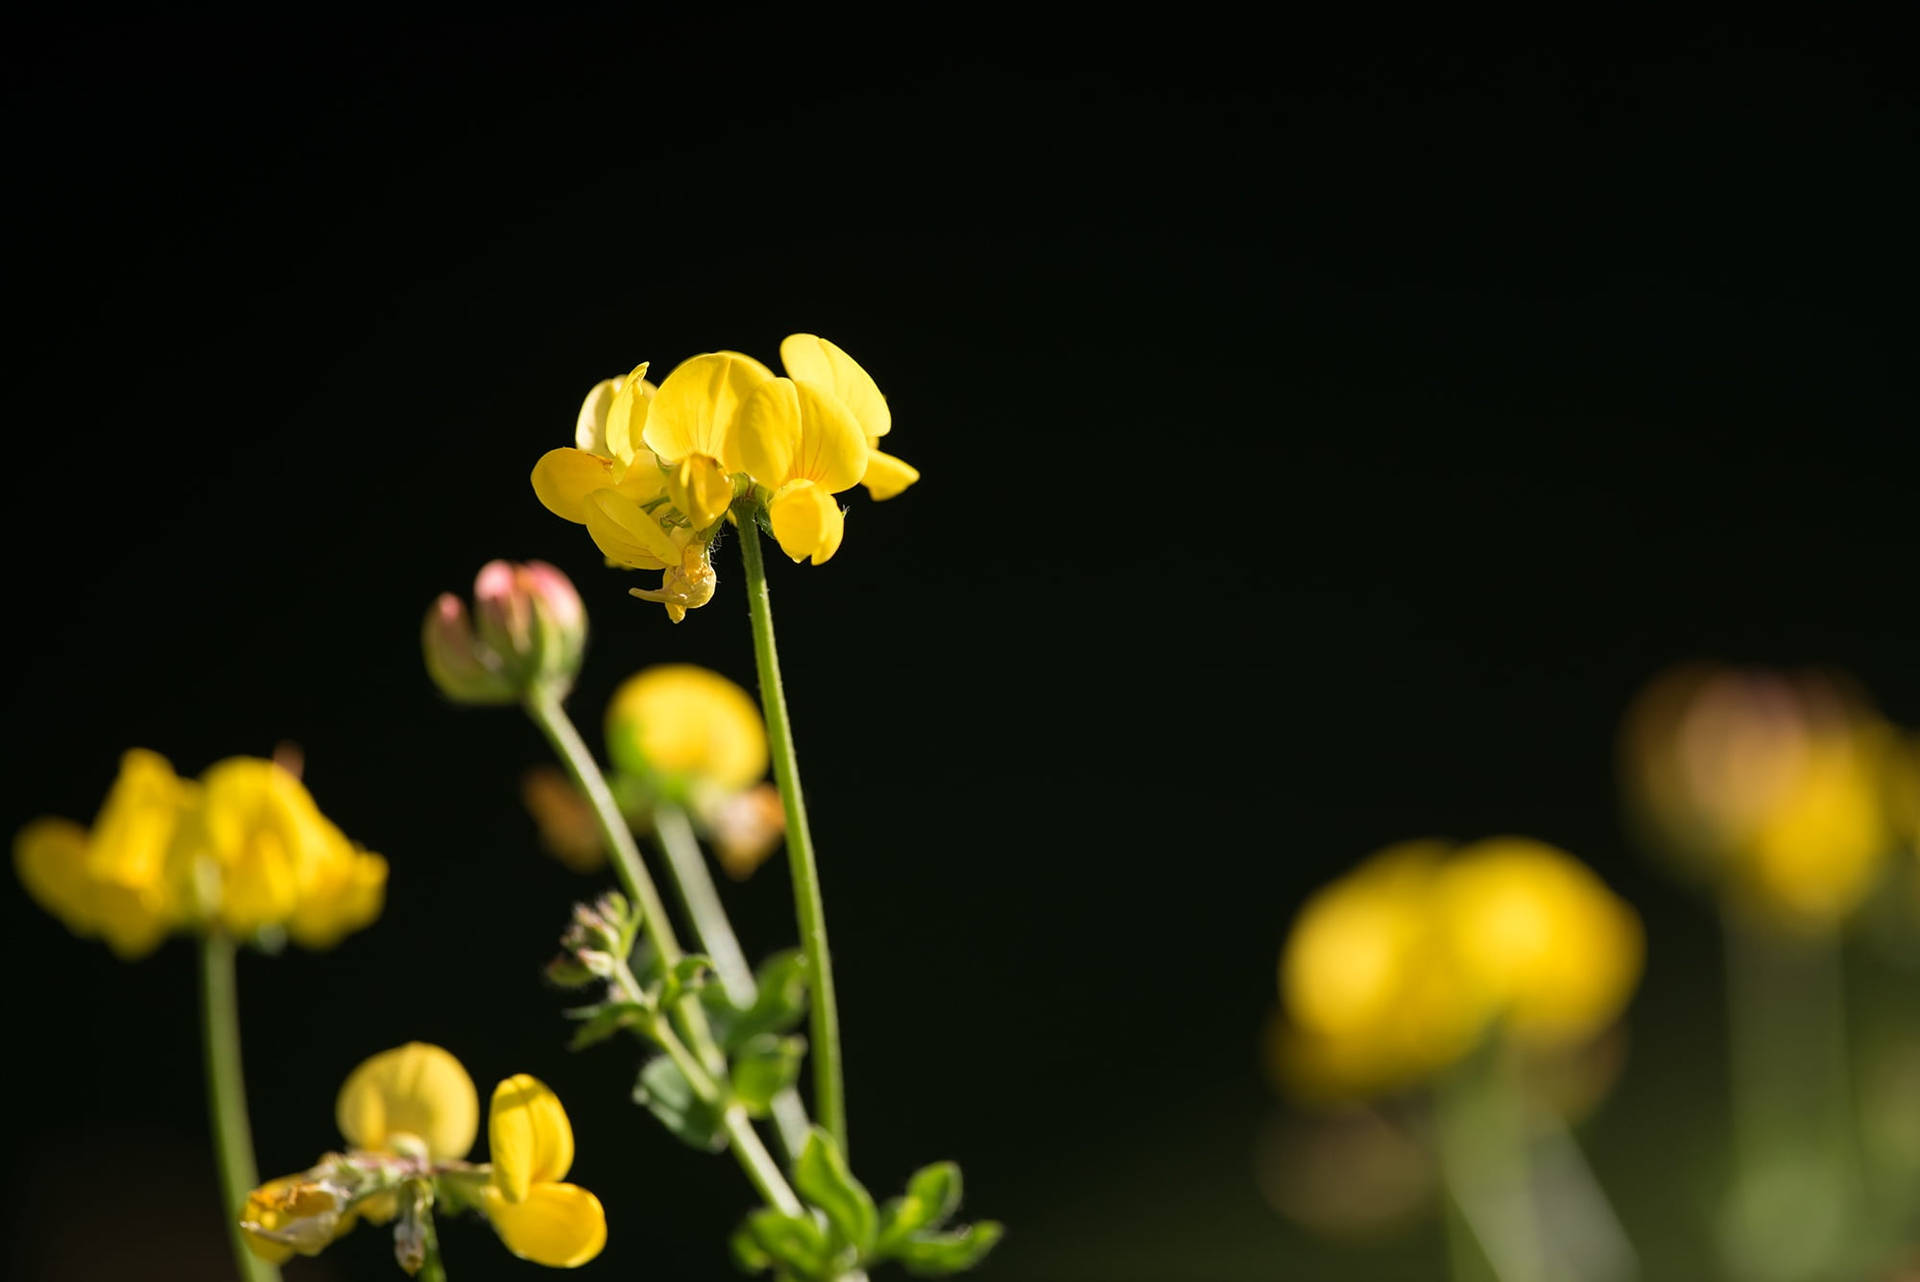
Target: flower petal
{"points": [[700, 488], [627, 413], [887, 476], [417, 1088], [687, 722], [814, 359], [50, 858], [529, 1140], [559, 1225], [766, 435], [833, 450], [807, 522], [696, 404], [563, 478], [590, 429], [627, 534]]}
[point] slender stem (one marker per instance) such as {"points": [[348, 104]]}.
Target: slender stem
{"points": [[715, 932], [544, 706], [829, 1089], [1484, 1161], [226, 1096], [432, 1267]]}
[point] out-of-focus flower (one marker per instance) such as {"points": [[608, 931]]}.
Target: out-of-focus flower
{"points": [[1399, 968], [745, 827], [528, 632], [410, 1115], [243, 850], [564, 818], [1769, 785]]}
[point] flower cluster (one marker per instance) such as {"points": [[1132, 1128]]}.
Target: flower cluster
{"points": [[1785, 791], [242, 850], [409, 1116], [1404, 965], [653, 470]]}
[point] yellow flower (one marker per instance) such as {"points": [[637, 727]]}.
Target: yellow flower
{"points": [[297, 1205], [641, 513], [689, 725], [416, 1090], [1539, 938], [530, 1143], [117, 881], [243, 850], [1770, 785], [1397, 969], [817, 361]]}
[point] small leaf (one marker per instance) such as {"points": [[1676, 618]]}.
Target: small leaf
{"points": [[664, 1091], [763, 1068], [791, 1242], [603, 1021], [822, 1178], [747, 1253], [933, 1195], [779, 1004], [935, 1255], [689, 975]]}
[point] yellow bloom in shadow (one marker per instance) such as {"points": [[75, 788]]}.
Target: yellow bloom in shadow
{"points": [[1401, 967], [243, 850], [688, 724]]}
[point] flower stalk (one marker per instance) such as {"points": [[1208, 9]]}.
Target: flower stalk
{"points": [[824, 1016], [226, 1095]]}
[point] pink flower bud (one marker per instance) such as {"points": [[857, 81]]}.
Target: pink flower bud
{"points": [[528, 629]]}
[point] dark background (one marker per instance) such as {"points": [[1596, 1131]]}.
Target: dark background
{"points": [[1324, 433]]}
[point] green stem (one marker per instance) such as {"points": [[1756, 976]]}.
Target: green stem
{"points": [[432, 1267], [227, 1096], [544, 706], [829, 1090], [715, 932], [1481, 1125]]}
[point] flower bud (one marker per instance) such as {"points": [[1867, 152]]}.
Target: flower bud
{"points": [[528, 629]]}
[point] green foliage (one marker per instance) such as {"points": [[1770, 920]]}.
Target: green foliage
{"points": [[690, 974], [820, 1175], [599, 1022], [933, 1195], [781, 1002], [665, 1092], [793, 1244], [763, 1067], [935, 1255]]}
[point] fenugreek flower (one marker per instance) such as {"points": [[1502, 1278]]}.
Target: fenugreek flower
{"points": [[1401, 967], [244, 850], [409, 1116]]}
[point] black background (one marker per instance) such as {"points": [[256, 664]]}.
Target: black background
{"points": [[1325, 431]]}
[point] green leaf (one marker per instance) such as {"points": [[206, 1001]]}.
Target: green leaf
{"points": [[822, 1178], [763, 1068], [603, 1021], [780, 1000], [689, 975], [791, 1242], [933, 1195], [666, 1093], [935, 1255], [748, 1253]]}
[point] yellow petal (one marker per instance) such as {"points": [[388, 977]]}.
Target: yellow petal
{"points": [[807, 522], [132, 918], [49, 857], [137, 824], [696, 404], [887, 476], [341, 893], [419, 1089], [684, 721], [813, 359], [767, 434], [559, 1225], [590, 429], [627, 413], [529, 1141], [833, 450], [627, 534], [562, 479], [700, 488]]}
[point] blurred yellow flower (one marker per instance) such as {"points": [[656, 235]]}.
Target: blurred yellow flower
{"points": [[688, 725], [1399, 968], [530, 1143], [243, 850], [1770, 785], [416, 1090]]}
